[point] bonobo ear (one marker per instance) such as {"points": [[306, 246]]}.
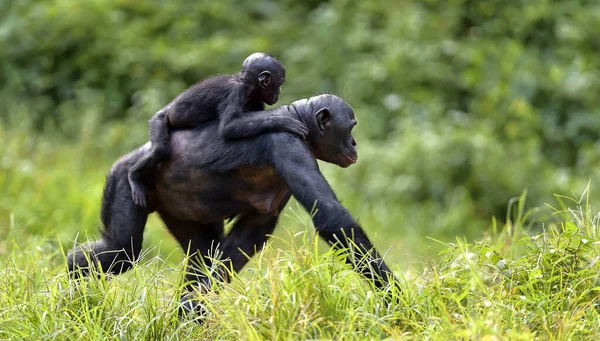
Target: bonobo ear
{"points": [[323, 117], [264, 79]]}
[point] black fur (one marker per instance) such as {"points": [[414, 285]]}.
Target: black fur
{"points": [[209, 179], [222, 98]]}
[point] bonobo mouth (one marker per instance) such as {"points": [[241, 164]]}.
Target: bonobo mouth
{"points": [[272, 100], [352, 159]]}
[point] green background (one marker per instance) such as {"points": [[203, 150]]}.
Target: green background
{"points": [[462, 104]]}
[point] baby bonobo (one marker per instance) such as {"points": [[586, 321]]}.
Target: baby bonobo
{"points": [[228, 98]]}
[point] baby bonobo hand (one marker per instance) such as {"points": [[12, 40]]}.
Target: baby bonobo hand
{"points": [[296, 127]]}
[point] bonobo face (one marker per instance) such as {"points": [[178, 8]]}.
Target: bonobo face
{"points": [[334, 119], [270, 86]]}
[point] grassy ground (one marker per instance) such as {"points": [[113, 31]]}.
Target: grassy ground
{"points": [[529, 279]]}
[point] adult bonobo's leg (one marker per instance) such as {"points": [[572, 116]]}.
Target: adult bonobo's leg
{"points": [[123, 223], [247, 237], [201, 242]]}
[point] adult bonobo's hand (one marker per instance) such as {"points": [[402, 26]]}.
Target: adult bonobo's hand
{"points": [[209, 178]]}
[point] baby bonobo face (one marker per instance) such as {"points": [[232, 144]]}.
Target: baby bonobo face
{"points": [[271, 91], [270, 74]]}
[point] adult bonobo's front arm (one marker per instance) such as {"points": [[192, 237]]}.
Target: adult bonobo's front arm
{"points": [[296, 164]]}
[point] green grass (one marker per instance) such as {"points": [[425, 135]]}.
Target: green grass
{"points": [[510, 286], [535, 277]]}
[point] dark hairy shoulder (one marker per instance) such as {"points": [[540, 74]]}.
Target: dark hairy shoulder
{"points": [[223, 155], [203, 148], [289, 148]]}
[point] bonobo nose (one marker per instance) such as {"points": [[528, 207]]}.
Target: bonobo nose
{"points": [[353, 142]]}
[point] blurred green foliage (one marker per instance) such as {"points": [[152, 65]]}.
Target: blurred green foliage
{"points": [[462, 104]]}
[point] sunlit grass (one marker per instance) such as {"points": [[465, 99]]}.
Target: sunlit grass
{"points": [[510, 286], [533, 277]]}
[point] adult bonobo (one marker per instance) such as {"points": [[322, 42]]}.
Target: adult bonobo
{"points": [[209, 179]]}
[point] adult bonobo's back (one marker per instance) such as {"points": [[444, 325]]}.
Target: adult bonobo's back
{"points": [[225, 98], [225, 170], [204, 183]]}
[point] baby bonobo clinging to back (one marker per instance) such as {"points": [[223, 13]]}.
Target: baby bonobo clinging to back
{"points": [[227, 98]]}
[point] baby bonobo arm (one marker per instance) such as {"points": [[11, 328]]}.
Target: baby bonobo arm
{"points": [[258, 122], [235, 124]]}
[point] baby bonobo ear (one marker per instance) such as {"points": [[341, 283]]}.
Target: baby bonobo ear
{"points": [[264, 79], [323, 117]]}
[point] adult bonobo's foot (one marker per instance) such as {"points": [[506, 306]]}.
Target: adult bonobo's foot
{"points": [[80, 259], [102, 256], [190, 306]]}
